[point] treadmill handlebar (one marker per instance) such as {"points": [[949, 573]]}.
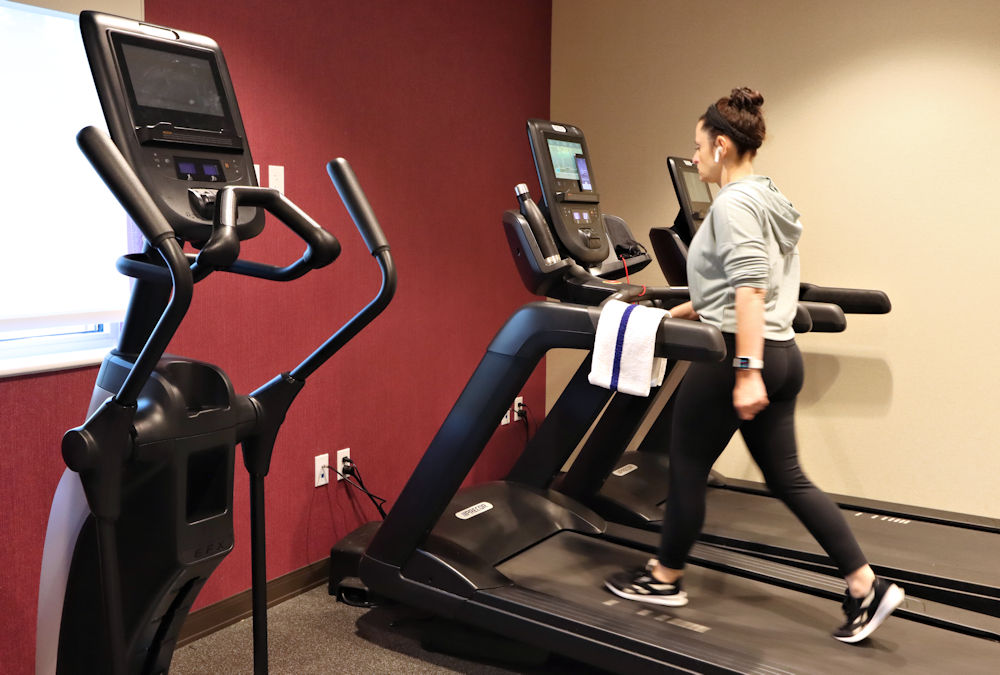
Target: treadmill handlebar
{"points": [[851, 300], [540, 326], [824, 317], [668, 296], [802, 321]]}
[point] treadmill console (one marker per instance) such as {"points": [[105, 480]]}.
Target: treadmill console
{"points": [[694, 196], [171, 110], [570, 199]]}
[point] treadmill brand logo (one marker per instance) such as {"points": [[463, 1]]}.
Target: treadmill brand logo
{"points": [[481, 507], [624, 470]]}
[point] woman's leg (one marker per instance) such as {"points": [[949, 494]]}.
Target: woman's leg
{"points": [[704, 420], [770, 438], [703, 423]]}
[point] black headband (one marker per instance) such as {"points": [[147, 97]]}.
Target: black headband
{"points": [[716, 120]]}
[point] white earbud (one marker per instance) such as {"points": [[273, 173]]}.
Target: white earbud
{"points": [[717, 151]]}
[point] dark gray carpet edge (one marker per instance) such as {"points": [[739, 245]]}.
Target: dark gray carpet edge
{"points": [[312, 633]]}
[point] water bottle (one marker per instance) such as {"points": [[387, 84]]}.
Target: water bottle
{"points": [[536, 221]]}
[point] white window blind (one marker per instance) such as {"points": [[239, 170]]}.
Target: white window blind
{"points": [[61, 230]]}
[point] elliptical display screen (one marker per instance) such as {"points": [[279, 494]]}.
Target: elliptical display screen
{"points": [[194, 168], [172, 81], [173, 84], [563, 155]]}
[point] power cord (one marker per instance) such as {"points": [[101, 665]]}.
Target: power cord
{"points": [[523, 412], [622, 258], [349, 474]]}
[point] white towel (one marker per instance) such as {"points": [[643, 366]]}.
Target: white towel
{"points": [[623, 349]]}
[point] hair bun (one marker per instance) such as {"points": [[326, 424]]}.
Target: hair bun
{"points": [[745, 98]]}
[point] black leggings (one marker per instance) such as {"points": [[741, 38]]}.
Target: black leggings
{"points": [[703, 423]]}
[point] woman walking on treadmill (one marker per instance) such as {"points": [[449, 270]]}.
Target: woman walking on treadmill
{"points": [[743, 273]]}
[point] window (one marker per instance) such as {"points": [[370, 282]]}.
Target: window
{"points": [[61, 230]]}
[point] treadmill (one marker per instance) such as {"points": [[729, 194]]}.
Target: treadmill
{"points": [[629, 487], [904, 543], [529, 563]]}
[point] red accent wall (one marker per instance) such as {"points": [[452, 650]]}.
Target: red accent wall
{"points": [[428, 100]]}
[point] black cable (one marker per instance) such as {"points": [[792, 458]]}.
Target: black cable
{"points": [[378, 504], [349, 479], [523, 413]]}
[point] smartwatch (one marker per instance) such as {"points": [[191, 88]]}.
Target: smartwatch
{"points": [[747, 363]]}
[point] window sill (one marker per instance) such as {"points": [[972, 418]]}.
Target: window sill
{"points": [[44, 363]]}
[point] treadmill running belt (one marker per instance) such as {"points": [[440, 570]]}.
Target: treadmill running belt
{"points": [[921, 551], [773, 626]]}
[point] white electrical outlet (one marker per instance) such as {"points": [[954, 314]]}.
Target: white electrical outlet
{"points": [[276, 177], [518, 414], [341, 455], [506, 417], [321, 472]]}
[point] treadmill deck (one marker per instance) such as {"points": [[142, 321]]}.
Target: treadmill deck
{"points": [[779, 629]]}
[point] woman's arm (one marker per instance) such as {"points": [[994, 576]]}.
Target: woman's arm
{"points": [[684, 311], [749, 394]]}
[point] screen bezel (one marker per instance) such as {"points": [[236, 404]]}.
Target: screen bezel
{"points": [[148, 115]]}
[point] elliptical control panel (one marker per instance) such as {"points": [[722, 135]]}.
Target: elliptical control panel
{"points": [[171, 110], [570, 199]]}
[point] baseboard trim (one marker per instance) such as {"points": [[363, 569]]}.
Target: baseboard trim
{"points": [[226, 612]]}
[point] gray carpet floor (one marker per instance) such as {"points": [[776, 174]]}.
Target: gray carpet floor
{"points": [[312, 633]]}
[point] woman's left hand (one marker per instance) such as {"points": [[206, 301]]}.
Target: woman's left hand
{"points": [[749, 394]]}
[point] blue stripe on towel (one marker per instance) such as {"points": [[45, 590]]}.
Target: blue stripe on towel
{"points": [[616, 367]]}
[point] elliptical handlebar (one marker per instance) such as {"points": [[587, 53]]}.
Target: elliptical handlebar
{"points": [[120, 178], [364, 219], [322, 248], [357, 204]]}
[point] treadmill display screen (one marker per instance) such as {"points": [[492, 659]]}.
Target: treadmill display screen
{"points": [[698, 191], [563, 154], [172, 81]]}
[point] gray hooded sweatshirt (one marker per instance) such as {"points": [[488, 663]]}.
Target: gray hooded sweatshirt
{"points": [[748, 239]]}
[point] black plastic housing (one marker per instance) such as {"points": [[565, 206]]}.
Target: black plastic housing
{"points": [[154, 149]]}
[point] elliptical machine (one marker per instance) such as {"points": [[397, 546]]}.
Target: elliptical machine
{"points": [[143, 514]]}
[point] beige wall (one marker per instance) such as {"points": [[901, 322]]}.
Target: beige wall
{"points": [[132, 9], [883, 131]]}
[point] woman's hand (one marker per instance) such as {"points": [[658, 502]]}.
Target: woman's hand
{"points": [[684, 311], [749, 394]]}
